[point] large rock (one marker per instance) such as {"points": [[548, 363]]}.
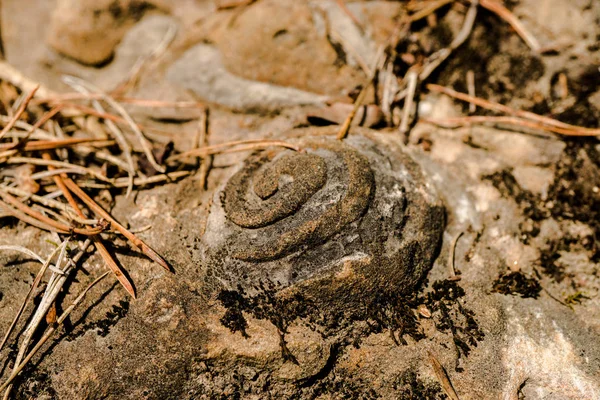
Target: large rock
{"points": [[281, 42], [88, 31]]}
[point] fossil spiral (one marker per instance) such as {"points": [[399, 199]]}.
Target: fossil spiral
{"points": [[339, 220], [254, 199]]}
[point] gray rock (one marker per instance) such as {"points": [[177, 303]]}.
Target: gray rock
{"points": [[201, 70]]}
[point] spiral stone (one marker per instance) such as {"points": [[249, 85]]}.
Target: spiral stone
{"points": [[269, 203], [340, 222]]}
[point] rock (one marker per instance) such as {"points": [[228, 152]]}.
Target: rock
{"points": [[534, 179], [278, 42], [345, 224], [201, 70], [88, 31]]}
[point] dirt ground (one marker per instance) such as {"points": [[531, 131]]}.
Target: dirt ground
{"points": [[456, 256]]}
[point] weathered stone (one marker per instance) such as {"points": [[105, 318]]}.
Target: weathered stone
{"points": [[88, 31], [361, 223], [201, 70], [278, 42]]}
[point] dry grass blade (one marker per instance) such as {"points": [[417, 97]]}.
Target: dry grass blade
{"points": [[350, 14], [52, 289], [442, 376], [23, 250], [471, 89], [144, 61], [499, 9], [123, 182], [19, 367], [19, 112], [413, 78], [147, 250]]}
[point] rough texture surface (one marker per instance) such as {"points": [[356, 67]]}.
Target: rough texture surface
{"points": [[88, 31], [360, 225], [522, 322]]}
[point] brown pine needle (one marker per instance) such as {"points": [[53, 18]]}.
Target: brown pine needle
{"points": [[57, 226], [106, 256], [549, 123], [54, 144], [113, 266], [147, 250], [442, 376], [26, 218], [343, 132], [515, 121], [19, 112], [45, 118], [252, 144], [60, 164]]}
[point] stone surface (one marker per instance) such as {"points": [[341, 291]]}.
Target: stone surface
{"points": [[350, 224], [201, 70], [278, 42], [291, 326], [88, 31]]}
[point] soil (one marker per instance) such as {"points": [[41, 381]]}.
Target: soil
{"points": [[279, 294]]}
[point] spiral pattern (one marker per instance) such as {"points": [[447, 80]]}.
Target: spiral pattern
{"points": [[281, 200]]}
